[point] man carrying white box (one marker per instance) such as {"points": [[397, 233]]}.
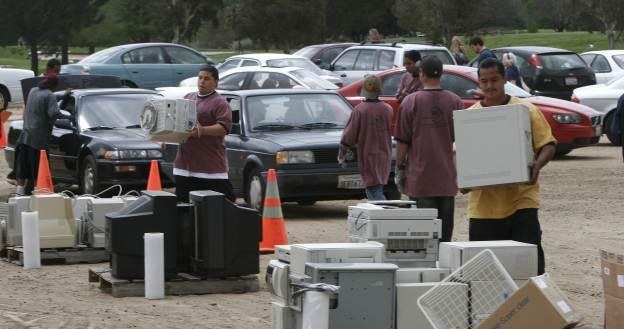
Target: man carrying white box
{"points": [[509, 212]]}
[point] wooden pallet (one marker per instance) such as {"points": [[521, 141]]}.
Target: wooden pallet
{"points": [[76, 255], [183, 284]]}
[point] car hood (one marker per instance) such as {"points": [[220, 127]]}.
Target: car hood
{"points": [[563, 105], [123, 138], [302, 138]]}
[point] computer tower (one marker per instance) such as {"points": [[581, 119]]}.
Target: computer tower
{"points": [[227, 237], [154, 211], [186, 236]]}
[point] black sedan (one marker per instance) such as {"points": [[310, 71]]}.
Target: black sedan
{"points": [[296, 132], [104, 144]]}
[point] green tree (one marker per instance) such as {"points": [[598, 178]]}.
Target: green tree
{"points": [[611, 15]]}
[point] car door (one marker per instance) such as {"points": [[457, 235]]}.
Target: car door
{"points": [[352, 65], [147, 67], [601, 67], [64, 148], [185, 63], [235, 155]]}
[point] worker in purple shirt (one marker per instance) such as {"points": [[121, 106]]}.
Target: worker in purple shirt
{"points": [[409, 80], [369, 129], [425, 159], [201, 162]]}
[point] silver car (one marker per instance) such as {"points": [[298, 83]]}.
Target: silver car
{"points": [[603, 98]]}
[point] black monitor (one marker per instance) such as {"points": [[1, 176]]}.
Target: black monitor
{"points": [[227, 237], [154, 211]]}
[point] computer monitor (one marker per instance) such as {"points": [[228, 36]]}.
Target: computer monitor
{"points": [[227, 237], [154, 211]]}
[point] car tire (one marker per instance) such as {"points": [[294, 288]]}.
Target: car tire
{"points": [[613, 138], [306, 202], [89, 183], [254, 189], [560, 153], [4, 99]]}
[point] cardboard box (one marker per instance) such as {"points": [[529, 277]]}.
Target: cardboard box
{"points": [[538, 304], [494, 145], [612, 272], [519, 259], [614, 312]]}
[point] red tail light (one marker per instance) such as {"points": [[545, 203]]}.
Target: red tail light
{"points": [[536, 61], [575, 99]]}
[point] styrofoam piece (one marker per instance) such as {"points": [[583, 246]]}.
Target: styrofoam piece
{"points": [[315, 310], [483, 160], [409, 315], [518, 258], [30, 237], [154, 265]]}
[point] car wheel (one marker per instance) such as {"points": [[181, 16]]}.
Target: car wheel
{"points": [[613, 138], [4, 99], [89, 176], [306, 202], [561, 153], [254, 190]]}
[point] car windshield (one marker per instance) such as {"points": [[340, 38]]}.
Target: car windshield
{"points": [[312, 80], [510, 89], [296, 111], [307, 51], [100, 56], [112, 111], [562, 61], [295, 62]]}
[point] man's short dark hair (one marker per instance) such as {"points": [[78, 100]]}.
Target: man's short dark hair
{"points": [[50, 82], [476, 41], [431, 66], [52, 63], [490, 63], [413, 55], [210, 69]]}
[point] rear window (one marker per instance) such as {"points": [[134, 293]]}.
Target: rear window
{"points": [[619, 60], [440, 54], [307, 52], [562, 61], [101, 56]]}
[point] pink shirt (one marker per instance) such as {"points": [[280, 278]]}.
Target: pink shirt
{"points": [[206, 155], [409, 84], [369, 128], [426, 125]]}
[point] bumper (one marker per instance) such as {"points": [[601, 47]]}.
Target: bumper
{"points": [[129, 173], [571, 136]]}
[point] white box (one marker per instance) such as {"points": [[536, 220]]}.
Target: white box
{"points": [[300, 254], [421, 275], [494, 145], [519, 259], [409, 314]]}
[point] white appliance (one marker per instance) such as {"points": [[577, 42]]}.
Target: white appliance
{"points": [[94, 221], [169, 120], [17, 205], [494, 145], [57, 225], [282, 253], [409, 314], [421, 275], [519, 259], [300, 254], [410, 235], [278, 283]]}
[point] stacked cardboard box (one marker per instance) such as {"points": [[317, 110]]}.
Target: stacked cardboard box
{"points": [[613, 281]]}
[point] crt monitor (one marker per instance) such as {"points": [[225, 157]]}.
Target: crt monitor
{"points": [[154, 211], [227, 236]]}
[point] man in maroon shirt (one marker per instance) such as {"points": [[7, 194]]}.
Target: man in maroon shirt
{"points": [[425, 162], [369, 129], [201, 162], [410, 82]]}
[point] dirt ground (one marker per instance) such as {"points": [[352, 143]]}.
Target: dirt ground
{"points": [[581, 213]]}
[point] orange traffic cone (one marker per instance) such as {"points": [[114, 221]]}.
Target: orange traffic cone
{"points": [[4, 117], [273, 229], [153, 182], [44, 178]]}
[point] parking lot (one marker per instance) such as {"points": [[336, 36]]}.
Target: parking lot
{"points": [[581, 213]]}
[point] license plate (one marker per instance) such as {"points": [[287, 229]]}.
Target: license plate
{"points": [[350, 182], [598, 130], [571, 81]]}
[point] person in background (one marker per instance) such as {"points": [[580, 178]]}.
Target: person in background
{"points": [[425, 160], [476, 44], [201, 162], [512, 73], [369, 129], [373, 36], [509, 212], [410, 81], [617, 124], [458, 51]]}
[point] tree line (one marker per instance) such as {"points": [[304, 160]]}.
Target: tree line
{"points": [[286, 24]]}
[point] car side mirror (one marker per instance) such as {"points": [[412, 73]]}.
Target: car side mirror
{"points": [[64, 124]]}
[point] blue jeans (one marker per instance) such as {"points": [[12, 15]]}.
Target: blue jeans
{"points": [[375, 193]]}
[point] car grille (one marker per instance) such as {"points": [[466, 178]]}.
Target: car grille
{"points": [[329, 155], [595, 121]]}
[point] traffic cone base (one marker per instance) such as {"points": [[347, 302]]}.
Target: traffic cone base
{"points": [[44, 178], [153, 181], [273, 228]]}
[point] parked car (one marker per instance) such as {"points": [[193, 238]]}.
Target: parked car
{"points": [[276, 60], [10, 87], [547, 71], [104, 145], [607, 64], [573, 125], [323, 55], [142, 65], [355, 62], [604, 99]]}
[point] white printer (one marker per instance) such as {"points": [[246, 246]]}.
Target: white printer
{"points": [[17, 205], [94, 219], [410, 234], [169, 120]]}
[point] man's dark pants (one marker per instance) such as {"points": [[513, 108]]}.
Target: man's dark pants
{"points": [[446, 210], [522, 226], [184, 185]]}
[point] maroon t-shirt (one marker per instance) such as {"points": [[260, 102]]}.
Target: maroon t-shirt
{"points": [[207, 153], [369, 128], [426, 125], [409, 84]]}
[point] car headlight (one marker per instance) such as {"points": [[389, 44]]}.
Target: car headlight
{"points": [[566, 118], [132, 154], [291, 157]]}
